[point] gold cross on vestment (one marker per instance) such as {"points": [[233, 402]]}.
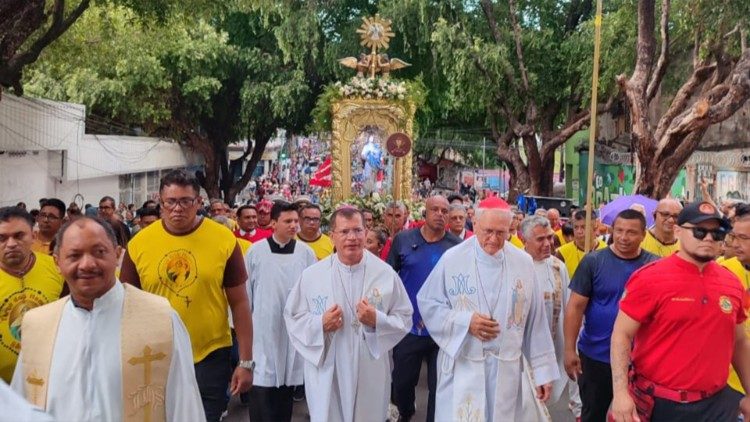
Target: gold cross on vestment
{"points": [[36, 384], [146, 360]]}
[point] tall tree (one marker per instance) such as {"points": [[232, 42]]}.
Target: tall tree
{"points": [[28, 27], [716, 85], [516, 64]]}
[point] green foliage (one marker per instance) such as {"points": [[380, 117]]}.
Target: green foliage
{"points": [[407, 94]]}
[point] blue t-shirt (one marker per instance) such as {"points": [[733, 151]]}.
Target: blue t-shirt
{"points": [[413, 258], [601, 277]]}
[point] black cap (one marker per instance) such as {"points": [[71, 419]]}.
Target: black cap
{"points": [[697, 212]]}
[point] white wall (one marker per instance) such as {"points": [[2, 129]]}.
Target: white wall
{"points": [[26, 178]]}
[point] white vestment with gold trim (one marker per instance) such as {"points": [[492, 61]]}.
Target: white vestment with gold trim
{"points": [[85, 376]]}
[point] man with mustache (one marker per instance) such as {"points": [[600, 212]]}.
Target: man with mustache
{"points": [[109, 351], [27, 279]]}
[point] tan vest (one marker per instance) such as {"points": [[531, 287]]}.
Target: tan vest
{"points": [[146, 344]]}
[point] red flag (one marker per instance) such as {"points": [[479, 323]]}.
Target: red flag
{"points": [[322, 176]]}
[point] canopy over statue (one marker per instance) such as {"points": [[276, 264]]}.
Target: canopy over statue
{"points": [[372, 109]]}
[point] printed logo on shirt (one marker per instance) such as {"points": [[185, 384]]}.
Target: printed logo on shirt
{"points": [[686, 299], [12, 310], [178, 270], [725, 304]]}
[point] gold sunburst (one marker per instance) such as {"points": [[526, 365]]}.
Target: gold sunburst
{"points": [[375, 32]]}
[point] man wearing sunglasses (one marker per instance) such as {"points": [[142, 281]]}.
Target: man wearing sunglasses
{"points": [[683, 315]]}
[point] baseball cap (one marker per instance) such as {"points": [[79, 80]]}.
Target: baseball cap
{"points": [[697, 212]]}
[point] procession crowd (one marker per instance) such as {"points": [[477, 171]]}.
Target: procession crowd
{"points": [[166, 311]]}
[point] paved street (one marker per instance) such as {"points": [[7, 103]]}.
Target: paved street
{"points": [[238, 413]]}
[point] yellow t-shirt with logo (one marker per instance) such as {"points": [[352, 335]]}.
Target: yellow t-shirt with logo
{"points": [[572, 256], [191, 271], [734, 265], [653, 245], [322, 247], [41, 285]]}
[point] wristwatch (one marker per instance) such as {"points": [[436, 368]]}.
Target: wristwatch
{"points": [[247, 364]]}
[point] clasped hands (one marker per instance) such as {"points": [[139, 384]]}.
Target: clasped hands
{"points": [[333, 318]]}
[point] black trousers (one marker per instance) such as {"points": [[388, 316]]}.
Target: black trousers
{"points": [[595, 385], [213, 374], [721, 407], [408, 356], [271, 404]]}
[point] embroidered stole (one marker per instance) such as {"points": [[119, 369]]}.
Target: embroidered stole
{"points": [[556, 297], [146, 345]]}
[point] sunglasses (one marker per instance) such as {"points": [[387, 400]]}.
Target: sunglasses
{"points": [[700, 233]]}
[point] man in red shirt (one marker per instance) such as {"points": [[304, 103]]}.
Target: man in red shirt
{"points": [[683, 315], [247, 219]]}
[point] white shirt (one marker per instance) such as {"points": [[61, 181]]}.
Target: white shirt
{"points": [[85, 381]]}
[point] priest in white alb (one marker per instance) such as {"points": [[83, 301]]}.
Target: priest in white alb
{"points": [[483, 307], [108, 352], [274, 265], [552, 276], [343, 316]]}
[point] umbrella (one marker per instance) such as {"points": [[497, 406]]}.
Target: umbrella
{"points": [[609, 212]]}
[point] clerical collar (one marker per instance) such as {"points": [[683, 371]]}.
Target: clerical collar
{"points": [[284, 249], [114, 293], [353, 267], [251, 232]]}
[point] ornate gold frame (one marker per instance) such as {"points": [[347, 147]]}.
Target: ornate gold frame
{"points": [[349, 117]]}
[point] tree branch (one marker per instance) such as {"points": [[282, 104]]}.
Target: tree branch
{"points": [[573, 125], [60, 24], [531, 109], [682, 98], [661, 64]]}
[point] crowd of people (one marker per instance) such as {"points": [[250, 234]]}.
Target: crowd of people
{"points": [[164, 312]]}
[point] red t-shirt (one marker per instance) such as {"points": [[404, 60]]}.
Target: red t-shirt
{"points": [[688, 318]]}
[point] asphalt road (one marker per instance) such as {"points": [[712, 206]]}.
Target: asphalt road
{"points": [[239, 413]]}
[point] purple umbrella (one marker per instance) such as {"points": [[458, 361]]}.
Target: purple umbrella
{"points": [[610, 211]]}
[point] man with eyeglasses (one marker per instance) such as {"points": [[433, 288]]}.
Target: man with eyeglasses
{"points": [[660, 239], [740, 266], [596, 289], [107, 213], [49, 220], [198, 266], [484, 308], [682, 316], [457, 221], [344, 316], [413, 255], [321, 244], [27, 279]]}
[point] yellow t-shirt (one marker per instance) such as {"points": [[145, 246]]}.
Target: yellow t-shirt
{"points": [[516, 241], [734, 265], [560, 237], [653, 245], [41, 247], [191, 271], [41, 285], [244, 245], [573, 256], [322, 247]]}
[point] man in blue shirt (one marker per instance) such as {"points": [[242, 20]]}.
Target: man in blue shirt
{"points": [[596, 289], [413, 255]]}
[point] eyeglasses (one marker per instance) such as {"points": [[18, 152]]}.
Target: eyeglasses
{"points": [[667, 216], [700, 233], [171, 203], [48, 217], [355, 232], [310, 220], [500, 234]]}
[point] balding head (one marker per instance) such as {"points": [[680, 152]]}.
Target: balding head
{"points": [[665, 217], [553, 216], [436, 213]]}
